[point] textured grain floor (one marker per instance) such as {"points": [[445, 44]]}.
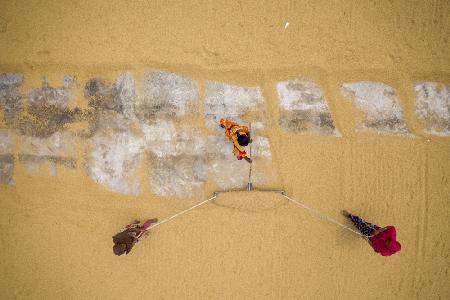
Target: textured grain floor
{"points": [[57, 216]]}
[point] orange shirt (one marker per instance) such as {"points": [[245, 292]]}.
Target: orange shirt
{"points": [[231, 130]]}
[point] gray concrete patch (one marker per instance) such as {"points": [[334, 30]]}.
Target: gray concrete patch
{"points": [[230, 173], [43, 119], [56, 150], [58, 144], [261, 148], [114, 161], [102, 96], [11, 101], [6, 141], [433, 107], [166, 95], [60, 96], [125, 89], [233, 102], [6, 157], [35, 162], [47, 110], [118, 96], [47, 107], [303, 108], [178, 176], [163, 139], [117, 147], [110, 105], [177, 164], [7, 169], [380, 104]]}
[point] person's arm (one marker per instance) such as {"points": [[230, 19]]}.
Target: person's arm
{"points": [[237, 146], [380, 230], [377, 231], [241, 150], [148, 223], [133, 234], [132, 225]]}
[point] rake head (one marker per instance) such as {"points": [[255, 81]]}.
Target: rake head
{"points": [[249, 189]]}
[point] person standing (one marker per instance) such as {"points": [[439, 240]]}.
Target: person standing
{"points": [[130, 235], [239, 135], [383, 240]]}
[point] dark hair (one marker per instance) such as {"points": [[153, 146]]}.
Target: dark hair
{"points": [[119, 249], [243, 139]]}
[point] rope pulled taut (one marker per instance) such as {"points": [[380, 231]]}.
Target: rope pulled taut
{"points": [[185, 211], [321, 215], [313, 211]]}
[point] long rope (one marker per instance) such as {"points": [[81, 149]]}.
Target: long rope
{"points": [[310, 209], [322, 216], [184, 211]]}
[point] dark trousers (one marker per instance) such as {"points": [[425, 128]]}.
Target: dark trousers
{"points": [[364, 227]]}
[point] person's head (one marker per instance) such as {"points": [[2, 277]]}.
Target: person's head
{"points": [[119, 249], [243, 139]]}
